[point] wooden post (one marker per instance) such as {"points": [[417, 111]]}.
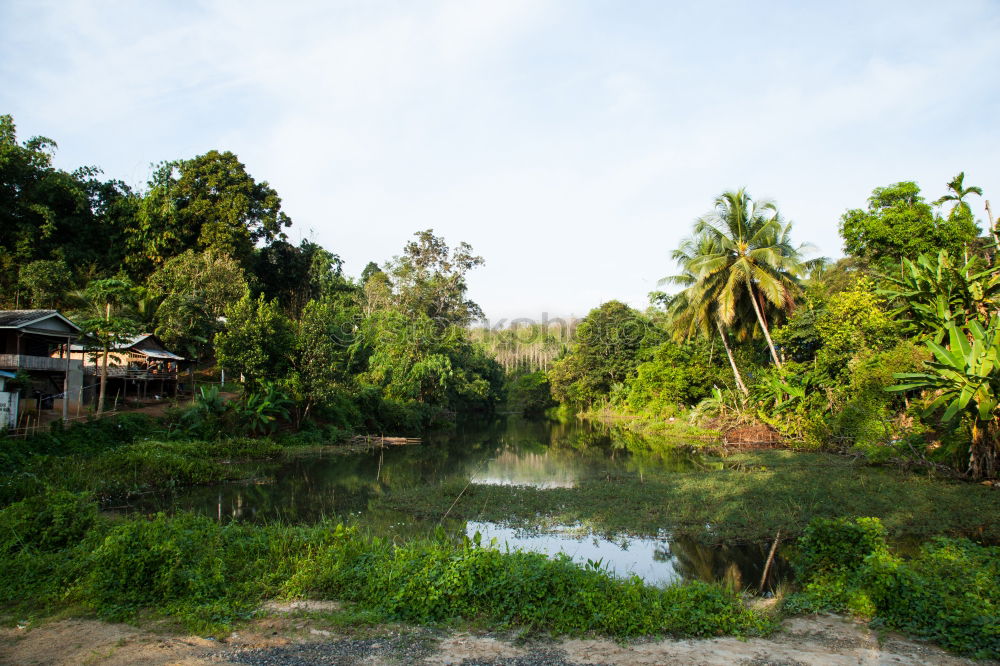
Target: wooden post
{"points": [[65, 409]]}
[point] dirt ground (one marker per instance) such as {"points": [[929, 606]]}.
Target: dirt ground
{"points": [[308, 634]]}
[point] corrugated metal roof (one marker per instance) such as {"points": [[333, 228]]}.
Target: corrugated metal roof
{"points": [[129, 345], [22, 318], [18, 318]]}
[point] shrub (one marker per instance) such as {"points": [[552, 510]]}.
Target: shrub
{"points": [[46, 522], [947, 593]]}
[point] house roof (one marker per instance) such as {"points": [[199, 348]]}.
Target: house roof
{"points": [[27, 318], [130, 344]]}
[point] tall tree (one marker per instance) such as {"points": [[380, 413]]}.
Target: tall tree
{"points": [[429, 278], [957, 193], [192, 292], [742, 252], [258, 340], [899, 223], [690, 314], [209, 202], [107, 327]]}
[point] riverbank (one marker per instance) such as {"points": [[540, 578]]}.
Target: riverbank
{"points": [[317, 636]]}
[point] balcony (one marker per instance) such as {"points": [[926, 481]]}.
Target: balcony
{"points": [[43, 363]]}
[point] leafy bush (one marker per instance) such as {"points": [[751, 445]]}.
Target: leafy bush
{"points": [[46, 522], [947, 593], [434, 581], [530, 394]]}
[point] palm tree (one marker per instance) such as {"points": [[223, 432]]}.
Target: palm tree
{"points": [[958, 194], [742, 253], [690, 313]]}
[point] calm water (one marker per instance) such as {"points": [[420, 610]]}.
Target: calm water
{"points": [[306, 488]]}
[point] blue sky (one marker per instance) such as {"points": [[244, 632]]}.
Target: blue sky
{"points": [[571, 143]]}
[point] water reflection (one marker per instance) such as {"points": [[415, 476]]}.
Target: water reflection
{"points": [[331, 485]]}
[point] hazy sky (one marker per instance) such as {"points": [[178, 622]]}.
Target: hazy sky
{"points": [[571, 143]]}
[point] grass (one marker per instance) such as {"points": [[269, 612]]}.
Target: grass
{"points": [[747, 499], [209, 577]]}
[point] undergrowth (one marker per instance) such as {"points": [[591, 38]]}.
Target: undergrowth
{"points": [[209, 576], [947, 593]]}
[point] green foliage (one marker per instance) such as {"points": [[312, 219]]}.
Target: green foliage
{"points": [[739, 266], [50, 521], [429, 280], [294, 275], [46, 281], [207, 203], [675, 375], [439, 581], [854, 323], [931, 294], [50, 215], [194, 290], [530, 393], [257, 341], [965, 379], [898, 223], [261, 411], [838, 545], [946, 593], [605, 351]]}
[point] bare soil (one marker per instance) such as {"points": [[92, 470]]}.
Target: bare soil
{"points": [[307, 633]]}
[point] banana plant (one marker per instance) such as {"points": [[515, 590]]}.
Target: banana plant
{"points": [[934, 292], [964, 378]]}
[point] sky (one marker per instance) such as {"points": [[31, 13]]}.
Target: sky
{"points": [[572, 143]]}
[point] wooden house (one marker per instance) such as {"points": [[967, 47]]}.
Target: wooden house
{"points": [[35, 343], [137, 368]]}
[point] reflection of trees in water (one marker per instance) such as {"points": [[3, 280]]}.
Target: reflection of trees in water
{"points": [[740, 566]]}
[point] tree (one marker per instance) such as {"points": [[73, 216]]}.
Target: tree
{"points": [[898, 223], [50, 214], [371, 269], [605, 352], [958, 193], [741, 253], [965, 379], [323, 357], [294, 275], [207, 203], [429, 278], [690, 314], [46, 281], [193, 291], [105, 328], [257, 341]]}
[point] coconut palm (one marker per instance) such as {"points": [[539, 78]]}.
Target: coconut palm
{"points": [[742, 253], [958, 192], [690, 314]]}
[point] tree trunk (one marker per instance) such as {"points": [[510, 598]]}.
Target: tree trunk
{"points": [[104, 381], [763, 326], [984, 450], [732, 361]]}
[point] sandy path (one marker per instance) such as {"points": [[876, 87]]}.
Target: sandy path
{"points": [[300, 638]]}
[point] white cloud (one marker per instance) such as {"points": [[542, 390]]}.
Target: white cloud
{"points": [[571, 144]]}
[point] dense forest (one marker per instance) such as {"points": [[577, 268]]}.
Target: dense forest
{"points": [[890, 351], [200, 257]]}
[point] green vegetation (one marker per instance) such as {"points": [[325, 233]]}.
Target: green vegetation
{"points": [[744, 498], [946, 593], [209, 576], [890, 355]]}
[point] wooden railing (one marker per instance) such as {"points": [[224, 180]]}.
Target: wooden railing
{"points": [[22, 362], [128, 373]]}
